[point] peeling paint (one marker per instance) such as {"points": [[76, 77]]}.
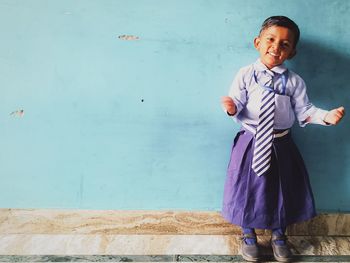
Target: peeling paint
{"points": [[128, 37], [17, 113]]}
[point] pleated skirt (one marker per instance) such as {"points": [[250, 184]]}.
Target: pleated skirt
{"points": [[280, 197]]}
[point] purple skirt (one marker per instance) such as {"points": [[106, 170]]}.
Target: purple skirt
{"points": [[281, 197]]}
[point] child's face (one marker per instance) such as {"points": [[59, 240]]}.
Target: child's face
{"points": [[275, 45]]}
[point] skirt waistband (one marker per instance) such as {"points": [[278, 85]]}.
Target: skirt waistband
{"points": [[276, 133]]}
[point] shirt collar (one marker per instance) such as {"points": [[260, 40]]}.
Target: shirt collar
{"points": [[259, 66]]}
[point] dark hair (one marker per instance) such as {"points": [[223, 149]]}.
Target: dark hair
{"points": [[282, 21]]}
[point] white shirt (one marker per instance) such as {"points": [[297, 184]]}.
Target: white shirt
{"points": [[246, 94]]}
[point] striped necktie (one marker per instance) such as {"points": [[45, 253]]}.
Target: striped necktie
{"points": [[264, 131]]}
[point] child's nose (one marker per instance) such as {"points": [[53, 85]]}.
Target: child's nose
{"points": [[276, 47]]}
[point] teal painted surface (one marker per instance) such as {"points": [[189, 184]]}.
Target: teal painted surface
{"points": [[116, 124]]}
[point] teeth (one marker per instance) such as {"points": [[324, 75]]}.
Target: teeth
{"points": [[273, 54]]}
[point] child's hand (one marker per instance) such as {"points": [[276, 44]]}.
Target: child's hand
{"points": [[334, 116], [229, 105]]}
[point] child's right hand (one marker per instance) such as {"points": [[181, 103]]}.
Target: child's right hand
{"points": [[229, 105]]}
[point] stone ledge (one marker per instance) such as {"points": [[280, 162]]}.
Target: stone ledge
{"points": [[112, 222], [49, 244]]}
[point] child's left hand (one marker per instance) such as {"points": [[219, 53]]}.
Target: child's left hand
{"points": [[334, 116]]}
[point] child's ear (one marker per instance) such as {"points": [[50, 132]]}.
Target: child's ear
{"points": [[257, 42], [292, 54]]}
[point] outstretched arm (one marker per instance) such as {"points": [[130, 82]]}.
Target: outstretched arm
{"points": [[334, 116], [306, 112]]}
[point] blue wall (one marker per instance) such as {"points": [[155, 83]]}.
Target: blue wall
{"points": [[136, 124]]}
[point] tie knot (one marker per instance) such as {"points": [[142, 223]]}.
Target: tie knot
{"points": [[269, 77], [270, 73]]}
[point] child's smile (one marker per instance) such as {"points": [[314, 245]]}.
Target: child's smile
{"points": [[275, 45]]}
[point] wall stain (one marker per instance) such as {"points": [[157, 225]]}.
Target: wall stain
{"points": [[128, 37], [17, 113]]}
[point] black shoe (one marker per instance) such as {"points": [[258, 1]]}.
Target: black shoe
{"points": [[281, 253], [250, 252]]}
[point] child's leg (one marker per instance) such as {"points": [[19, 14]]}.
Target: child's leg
{"points": [[279, 244], [249, 236], [279, 232], [249, 249]]}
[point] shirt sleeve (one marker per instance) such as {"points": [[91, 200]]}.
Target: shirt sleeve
{"points": [[304, 110], [238, 91]]}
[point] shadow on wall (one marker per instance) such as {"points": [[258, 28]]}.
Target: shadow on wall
{"points": [[326, 74]]}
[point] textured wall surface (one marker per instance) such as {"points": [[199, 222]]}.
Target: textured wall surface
{"points": [[115, 104]]}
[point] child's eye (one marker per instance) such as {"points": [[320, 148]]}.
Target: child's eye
{"points": [[285, 45]]}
